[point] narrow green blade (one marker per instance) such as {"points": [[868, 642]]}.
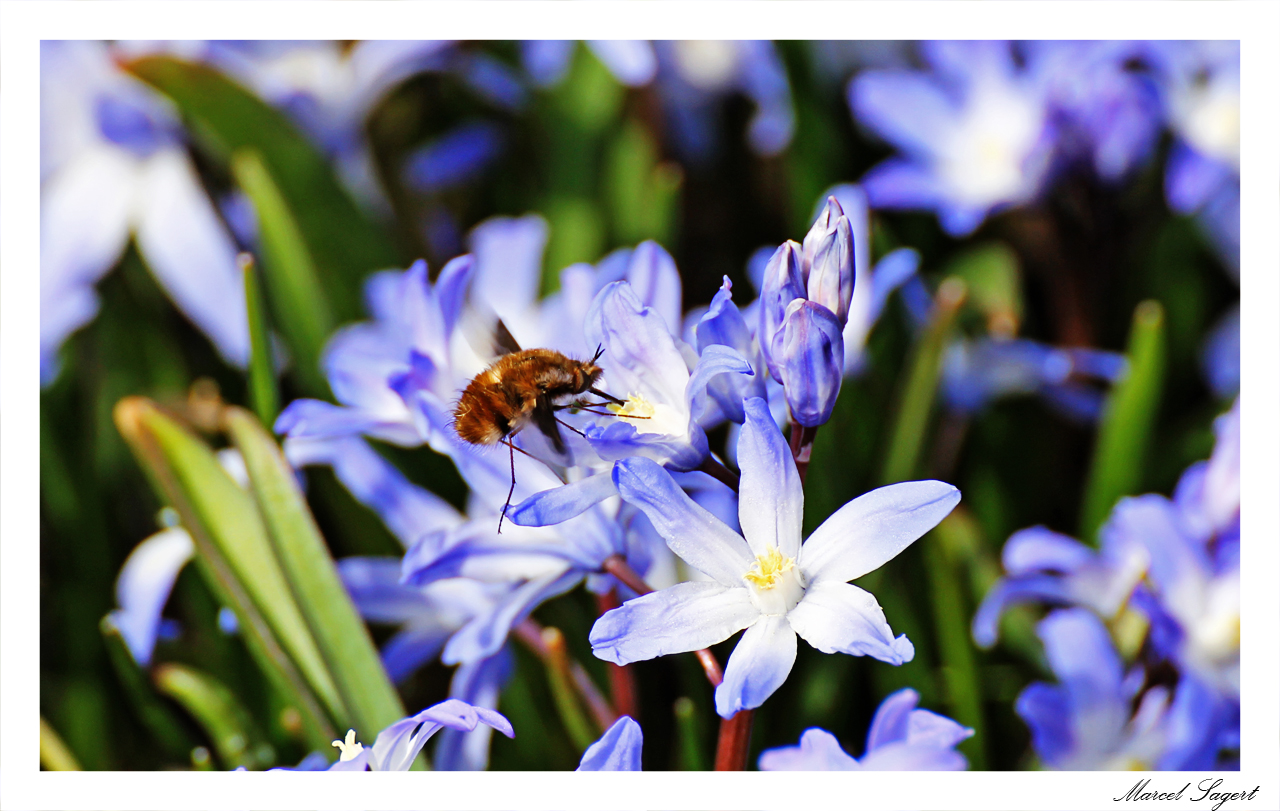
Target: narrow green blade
{"points": [[262, 366], [1124, 435], [340, 634], [235, 737], [235, 555], [915, 403], [302, 307]]}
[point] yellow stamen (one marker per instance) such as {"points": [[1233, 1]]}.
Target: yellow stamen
{"points": [[635, 406], [768, 569]]}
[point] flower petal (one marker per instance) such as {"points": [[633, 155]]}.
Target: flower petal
{"points": [[689, 530], [819, 751], [715, 360], [685, 617], [905, 757], [618, 750], [889, 724], [770, 496], [398, 744], [842, 618], [483, 636], [758, 665], [478, 684], [191, 253], [558, 504], [873, 528], [1038, 549], [143, 588]]}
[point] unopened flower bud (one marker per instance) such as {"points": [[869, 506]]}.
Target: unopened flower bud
{"points": [[822, 226], [810, 356], [782, 285], [830, 281]]}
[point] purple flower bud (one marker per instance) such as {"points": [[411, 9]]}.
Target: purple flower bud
{"points": [[809, 351], [830, 279], [782, 285], [822, 226]]}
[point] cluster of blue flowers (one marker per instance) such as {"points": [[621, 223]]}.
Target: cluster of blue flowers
{"points": [[1171, 565], [693, 542]]}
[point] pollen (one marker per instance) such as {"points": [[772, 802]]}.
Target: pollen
{"points": [[635, 406], [349, 748], [768, 569]]}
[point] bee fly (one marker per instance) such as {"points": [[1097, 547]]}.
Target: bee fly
{"points": [[526, 387]]}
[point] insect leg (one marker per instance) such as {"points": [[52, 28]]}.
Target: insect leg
{"points": [[571, 428], [608, 397], [512, 491]]}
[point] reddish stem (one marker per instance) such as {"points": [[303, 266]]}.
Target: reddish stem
{"points": [[617, 566], [802, 446], [622, 682], [735, 736], [530, 633]]}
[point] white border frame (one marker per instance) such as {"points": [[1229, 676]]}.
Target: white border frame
{"points": [[23, 24]]}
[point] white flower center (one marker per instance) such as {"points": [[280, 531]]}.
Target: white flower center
{"points": [[651, 418], [982, 162], [774, 583], [349, 748]]}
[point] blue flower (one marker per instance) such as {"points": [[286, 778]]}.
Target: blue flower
{"points": [[113, 166], [396, 746], [618, 749], [1200, 83], [974, 133], [764, 580], [643, 362], [1087, 720], [901, 738], [975, 373]]}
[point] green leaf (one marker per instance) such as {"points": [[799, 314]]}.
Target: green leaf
{"points": [[301, 306], [235, 555], [990, 272], [341, 635], [230, 727], [915, 403], [262, 366], [158, 719], [1128, 418], [225, 118], [643, 193]]}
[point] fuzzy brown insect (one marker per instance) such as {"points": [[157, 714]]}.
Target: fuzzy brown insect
{"points": [[522, 388]]}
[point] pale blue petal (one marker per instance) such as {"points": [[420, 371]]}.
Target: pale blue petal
{"points": [[559, 504], [398, 744], [85, 210], [374, 586], [905, 108], [890, 722], [1038, 549], [618, 750], [758, 666], [770, 495], [485, 635], [809, 354], [689, 530], [906, 757], [143, 588], [684, 617], [1042, 588], [411, 648], [889, 274], [842, 618], [640, 355], [819, 751], [1046, 710], [631, 61], [930, 729], [873, 528], [508, 256], [546, 60], [896, 183], [715, 360], [305, 419], [478, 684], [653, 276], [191, 253]]}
